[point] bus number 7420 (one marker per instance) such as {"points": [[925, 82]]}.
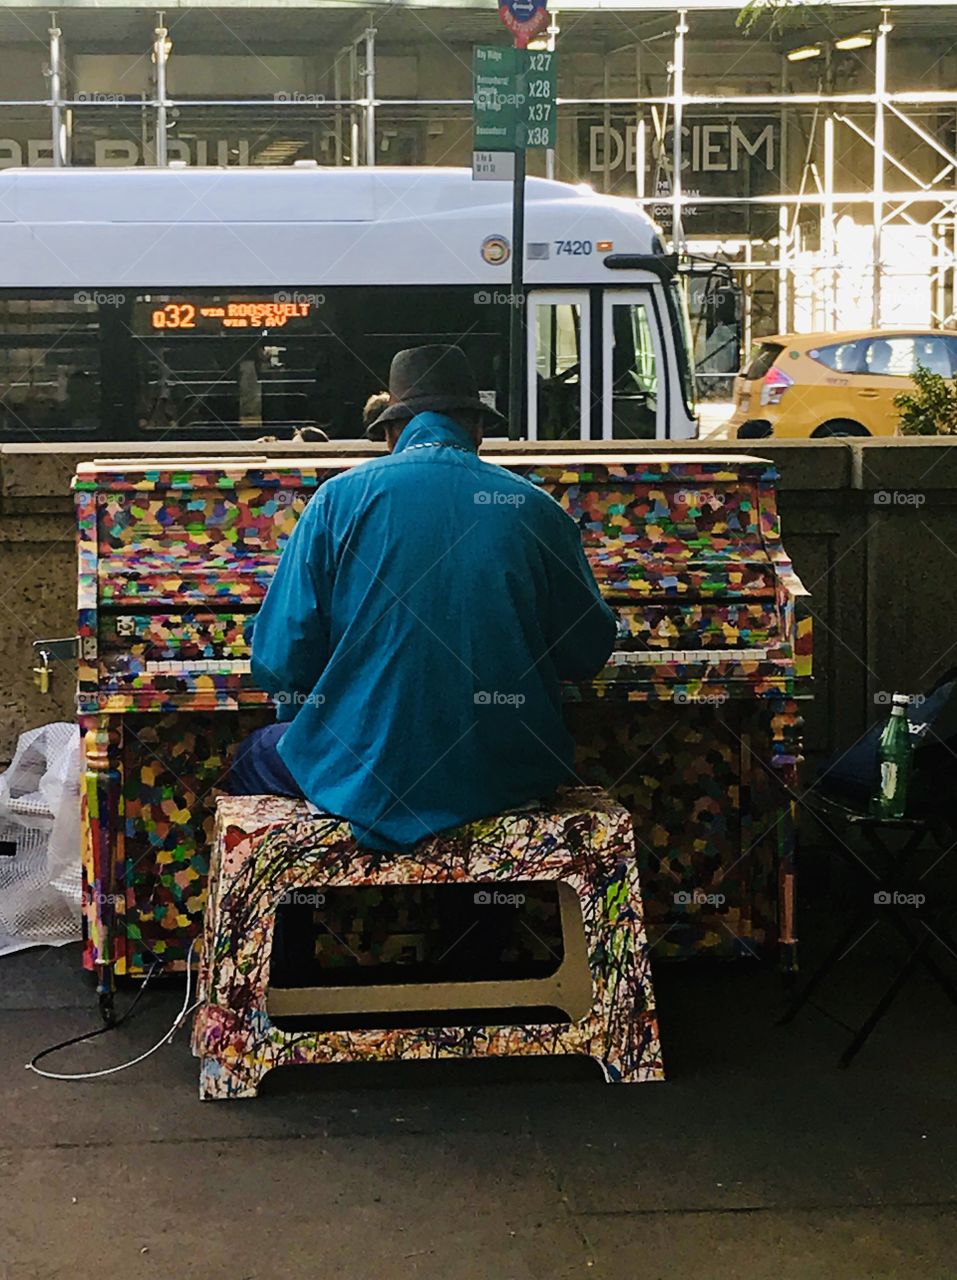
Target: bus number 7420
{"points": [[575, 247]]}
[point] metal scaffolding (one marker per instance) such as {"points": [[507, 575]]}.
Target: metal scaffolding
{"points": [[887, 205], [353, 112]]}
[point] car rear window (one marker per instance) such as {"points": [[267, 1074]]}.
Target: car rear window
{"points": [[763, 355], [842, 357], [898, 357]]}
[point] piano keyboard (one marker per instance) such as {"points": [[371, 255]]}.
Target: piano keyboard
{"points": [[640, 657], [620, 658], [207, 666]]}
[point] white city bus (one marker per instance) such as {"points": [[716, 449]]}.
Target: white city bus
{"points": [[202, 303]]}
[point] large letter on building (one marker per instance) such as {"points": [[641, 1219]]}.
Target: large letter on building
{"points": [[11, 154], [764, 139]]}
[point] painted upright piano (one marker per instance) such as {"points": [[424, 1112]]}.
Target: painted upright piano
{"points": [[694, 723]]}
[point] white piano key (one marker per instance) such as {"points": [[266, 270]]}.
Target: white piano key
{"points": [[198, 666]]}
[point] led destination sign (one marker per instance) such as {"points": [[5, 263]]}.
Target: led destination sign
{"points": [[180, 314]]}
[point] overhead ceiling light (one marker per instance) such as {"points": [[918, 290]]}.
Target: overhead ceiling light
{"points": [[804, 52], [860, 41]]}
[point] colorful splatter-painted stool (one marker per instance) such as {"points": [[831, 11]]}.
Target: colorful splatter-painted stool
{"points": [[267, 848]]}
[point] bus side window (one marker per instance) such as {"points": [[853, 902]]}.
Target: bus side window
{"points": [[631, 372], [558, 370], [49, 367]]}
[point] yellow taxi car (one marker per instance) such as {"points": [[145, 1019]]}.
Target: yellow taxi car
{"points": [[834, 384]]}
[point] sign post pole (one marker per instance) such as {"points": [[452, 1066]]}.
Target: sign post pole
{"points": [[513, 108], [516, 320]]}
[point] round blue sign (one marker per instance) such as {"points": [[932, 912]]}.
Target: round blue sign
{"points": [[524, 18], [522, 10]]}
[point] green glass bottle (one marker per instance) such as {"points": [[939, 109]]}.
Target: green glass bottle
{"points": [[894, 763]]}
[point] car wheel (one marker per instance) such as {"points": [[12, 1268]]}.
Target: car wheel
{"points": [[754, 429], [839, 427]]}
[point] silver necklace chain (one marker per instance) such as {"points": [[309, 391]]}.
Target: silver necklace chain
{"points": [[437, 444]]}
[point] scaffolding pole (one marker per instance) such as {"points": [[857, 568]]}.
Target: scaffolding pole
{"points": [[747, 335], [57, 127], [161, 50], [641, 145], [551, 43], [639, 138], [940, 276], [880, 88], [936, 99], [606, 125], [783, 229], [677, 112], [337, 91], [828, 230], [353, 117], [369, 75]]}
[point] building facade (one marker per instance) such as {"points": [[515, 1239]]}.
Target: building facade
{"points": [[817, 162]]}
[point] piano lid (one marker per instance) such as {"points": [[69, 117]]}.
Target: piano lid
{"points": [[651, 524], [198, 471]]}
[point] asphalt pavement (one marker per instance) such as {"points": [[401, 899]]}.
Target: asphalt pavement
{"points": [[758, 1156]]}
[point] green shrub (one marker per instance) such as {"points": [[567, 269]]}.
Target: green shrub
{"points": [[931, 409]]}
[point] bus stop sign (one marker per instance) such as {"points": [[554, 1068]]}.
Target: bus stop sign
{"points": [[498, 98], [513, 100], [524, 18]]}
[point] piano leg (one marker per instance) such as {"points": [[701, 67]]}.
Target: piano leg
{"points": [[786, 756], [102, 848], [787, 884]]}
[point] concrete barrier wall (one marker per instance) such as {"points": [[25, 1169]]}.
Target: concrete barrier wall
{"points": [[870, 525]]}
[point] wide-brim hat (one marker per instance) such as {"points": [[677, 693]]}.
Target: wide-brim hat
{"points": [[433, 378]]}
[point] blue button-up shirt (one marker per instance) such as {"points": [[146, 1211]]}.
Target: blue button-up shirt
{"points": [[422, 615]]}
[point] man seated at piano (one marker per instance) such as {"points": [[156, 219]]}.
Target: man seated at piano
{"points": [[423, 614]]}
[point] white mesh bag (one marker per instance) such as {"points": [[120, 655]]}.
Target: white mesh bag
{"points": [[40, 882]]}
